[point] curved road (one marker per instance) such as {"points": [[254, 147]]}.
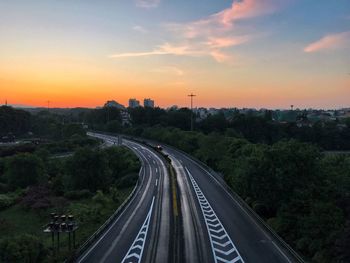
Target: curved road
{"points": [[141, 232], [225, 231], [214, 226]]}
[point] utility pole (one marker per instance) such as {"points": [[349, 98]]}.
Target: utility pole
{"points": [[191, 95]]}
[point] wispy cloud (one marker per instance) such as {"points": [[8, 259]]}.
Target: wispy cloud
{"points": [[139, 54], [213, 36], [140, 29], [169, 70], [165, 49], [332, 41], [147, 3]]}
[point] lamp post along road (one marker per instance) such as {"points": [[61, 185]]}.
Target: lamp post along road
{"points": [[191, 95]]}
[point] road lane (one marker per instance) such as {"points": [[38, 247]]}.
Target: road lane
{"points": [[119, 239], [194, 233], [253, 242], [215, 227]]}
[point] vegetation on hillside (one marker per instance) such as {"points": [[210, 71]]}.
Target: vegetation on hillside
{"points": [[279, 169], [56, 169]]}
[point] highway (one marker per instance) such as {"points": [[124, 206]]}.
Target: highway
{"points": [[142, 231], [222, 230], [214, 225]]}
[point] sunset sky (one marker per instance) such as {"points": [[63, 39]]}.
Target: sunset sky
{"points": [[249, 53]]}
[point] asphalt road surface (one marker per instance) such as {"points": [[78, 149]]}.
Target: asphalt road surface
{"points": [[214, 227], [217, 227], [142, 232]]}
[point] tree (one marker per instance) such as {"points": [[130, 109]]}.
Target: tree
{"points": [[114, 126], [71, 129], [23, 170], [13, 121], [121, 162], [24, 248], [87, 169], [216, 122]]}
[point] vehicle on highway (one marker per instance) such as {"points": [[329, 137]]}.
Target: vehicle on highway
{"points": [[159, 148]]}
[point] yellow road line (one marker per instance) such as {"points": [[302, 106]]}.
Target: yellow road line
{"points": [[173, 183]]}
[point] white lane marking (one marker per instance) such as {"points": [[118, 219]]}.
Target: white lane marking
{"points": [[154, 162], [238, 204], [114, 223], [115, 242], [221, 244], [156, 182], [135, 252], [144, 161], [156, 170]]}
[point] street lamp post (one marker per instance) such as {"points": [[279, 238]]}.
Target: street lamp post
{"points": [[191, 95]]}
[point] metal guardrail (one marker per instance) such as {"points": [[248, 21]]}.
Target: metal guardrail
{"points": [[235, 196], [232, 193], [105, 225]]}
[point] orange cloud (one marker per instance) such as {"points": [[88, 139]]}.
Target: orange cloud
{"points": [[332, 41]]}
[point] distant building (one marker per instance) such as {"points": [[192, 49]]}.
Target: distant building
{"points": [[114, 104], [134, 103], [148, 103], [126, 120]]}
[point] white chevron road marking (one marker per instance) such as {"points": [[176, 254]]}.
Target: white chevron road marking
{"points": [[224, 250], [132, 255]]}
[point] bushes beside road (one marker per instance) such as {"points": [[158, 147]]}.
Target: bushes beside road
{"points": [[303, 194], [91, 184]]}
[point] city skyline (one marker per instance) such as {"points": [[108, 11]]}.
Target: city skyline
{"points": [[261, 54]]}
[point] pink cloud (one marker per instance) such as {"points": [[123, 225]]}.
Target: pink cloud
{"points": [[222, 42], [222, 57], [246, 9], [212, 35], [332, 41]]}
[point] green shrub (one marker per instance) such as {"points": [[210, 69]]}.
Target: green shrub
{"points": [[25, 248], [4, 188], [127, 181], [23, 170], [260, 208], [78, 194], [5, 201]]}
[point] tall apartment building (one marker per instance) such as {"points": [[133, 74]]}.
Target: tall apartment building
{"points": [[148, 103], [133, 103]]}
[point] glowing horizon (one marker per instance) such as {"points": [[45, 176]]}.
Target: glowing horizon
{"points": [[248, 53]]}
